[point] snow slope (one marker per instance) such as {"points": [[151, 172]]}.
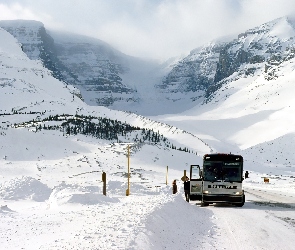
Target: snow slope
{"points": [[51, 184], [252, 114], [58, 204], [248, 116]]}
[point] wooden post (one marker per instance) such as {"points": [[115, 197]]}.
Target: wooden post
{"points": [[167, 176], [104, 179], [128, 164]]}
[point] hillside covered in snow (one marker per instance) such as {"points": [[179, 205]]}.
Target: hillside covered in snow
{"points": [[54, 146], [108, 77], [104, 75], [54, 149]]}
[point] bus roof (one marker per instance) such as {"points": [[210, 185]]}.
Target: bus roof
{"points": [[222, 157]]}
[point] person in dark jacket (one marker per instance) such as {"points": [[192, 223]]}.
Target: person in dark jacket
{"points": [[186, 188], [174, 187], [246, 175]]}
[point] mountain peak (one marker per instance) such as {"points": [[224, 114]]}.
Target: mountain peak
{"points": [[282, 28], [29, 33], [21, 23]]}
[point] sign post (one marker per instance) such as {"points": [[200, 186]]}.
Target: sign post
{"points": [[167, 176], [128, 164], [104, 179]]}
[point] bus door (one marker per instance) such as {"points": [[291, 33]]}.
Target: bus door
{"points": [[195, 182]]}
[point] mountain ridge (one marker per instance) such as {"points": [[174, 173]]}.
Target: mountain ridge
{"points": [[107, 77], [236, 113], [30, 95], [97, 67], [206, 68]]}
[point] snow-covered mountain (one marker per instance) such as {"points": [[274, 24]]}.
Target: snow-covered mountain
{"points": [[227, 83], [54, 148], [30, 94], [26, 85], [35, 42], [249, 101], [94, 67], [257, 51], [103, 75], [110, 78]]}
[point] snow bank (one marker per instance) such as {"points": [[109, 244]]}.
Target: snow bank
{"points": [[5, 209], [173, 226], [68, 193], [24, 188]]}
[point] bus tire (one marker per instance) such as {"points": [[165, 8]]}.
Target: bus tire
{"points": [[204, 204], [242, 203]]}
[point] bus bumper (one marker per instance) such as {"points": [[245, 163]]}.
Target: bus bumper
{"points": [[223, 198]]}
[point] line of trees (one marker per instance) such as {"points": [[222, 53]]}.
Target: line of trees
{"points": [[101, 128]]}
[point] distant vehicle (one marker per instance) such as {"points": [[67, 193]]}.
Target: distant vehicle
{"points": [[219, 180]]}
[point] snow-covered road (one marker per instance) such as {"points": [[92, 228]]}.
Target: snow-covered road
{"points": [[266, 221], [76, 217]]}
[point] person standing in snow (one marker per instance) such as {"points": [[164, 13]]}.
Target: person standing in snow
{"points": [[186, 188], [174, 187], [246, 175]]}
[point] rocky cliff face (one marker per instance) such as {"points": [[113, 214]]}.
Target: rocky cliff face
{"points": [[257, 51], [29, 33], [89, 64], [36, 43], [195, 73], [107, 77], [267, 44], [94, 67]]}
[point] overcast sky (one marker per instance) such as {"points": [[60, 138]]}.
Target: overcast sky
{"points": [[156, 29]]}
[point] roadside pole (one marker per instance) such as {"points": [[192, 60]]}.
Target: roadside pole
{"points": [[104, 179], [128, 165], [167, 176]]}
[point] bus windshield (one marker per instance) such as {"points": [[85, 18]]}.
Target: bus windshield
{"points": [[222, 171]]}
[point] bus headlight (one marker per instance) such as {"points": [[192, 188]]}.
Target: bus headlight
{"points": [[205, 192], [238, 193]]}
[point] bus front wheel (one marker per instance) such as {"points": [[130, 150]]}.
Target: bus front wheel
{"points": [[204, 204], [242, 203]]}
